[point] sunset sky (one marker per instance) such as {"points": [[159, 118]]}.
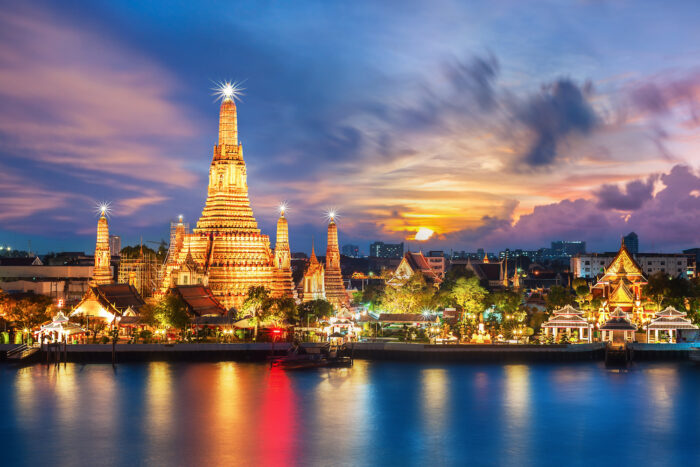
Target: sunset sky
{"points": [[494, 124]]}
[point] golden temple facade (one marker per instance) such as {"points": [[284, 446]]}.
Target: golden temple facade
{"points": [[621, 285], [226, 250]]}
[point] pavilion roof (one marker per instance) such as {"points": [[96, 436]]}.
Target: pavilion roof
{"points": [[671, 322], [618, 321], [199, 300], [670, 311]]}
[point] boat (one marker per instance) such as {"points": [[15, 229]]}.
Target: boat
{"points": [[301, 358]]}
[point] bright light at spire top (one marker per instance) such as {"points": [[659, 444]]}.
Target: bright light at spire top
{"points": [[103, 208], [283, 207], [331, 215], [227, 90]]}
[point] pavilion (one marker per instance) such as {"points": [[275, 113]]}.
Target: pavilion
{"points": [[668, 321], [566, 320], [59, 328], [618, 328]]}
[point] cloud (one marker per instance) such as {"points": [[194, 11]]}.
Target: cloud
{"points": [[72, 98], [560, 109], [630, 198]]}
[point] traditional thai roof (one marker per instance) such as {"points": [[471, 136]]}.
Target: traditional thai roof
{"points": [[670, 318], [567, 317], [622, 294], [618, 321], [623, 266], [416, 262], [199, 300], [115, 298], [62, 325]]}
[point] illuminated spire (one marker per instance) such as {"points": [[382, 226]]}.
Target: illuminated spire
{"points": [[335, 288], [102, 272], [228, 123], [282, 253]]}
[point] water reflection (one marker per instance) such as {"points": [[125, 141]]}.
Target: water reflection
{"points": [[517, 407], [374, 413]]}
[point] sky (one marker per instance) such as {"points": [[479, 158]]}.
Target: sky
{"points": [[492, 123]]}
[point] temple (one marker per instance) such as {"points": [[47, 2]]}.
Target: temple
{"points": [[326, 283], [102, 272], [226, 249], [313, 283], [333, 279], [621, 285]]}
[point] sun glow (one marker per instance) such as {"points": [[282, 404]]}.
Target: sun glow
{"points": [[423, 234]]}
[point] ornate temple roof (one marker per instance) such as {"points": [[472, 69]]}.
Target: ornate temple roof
{"points": [[670, 318], [618, 321], [199, 300], [566, 317]]}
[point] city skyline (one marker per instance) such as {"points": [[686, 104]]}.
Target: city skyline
{"points": [[407, 120]]}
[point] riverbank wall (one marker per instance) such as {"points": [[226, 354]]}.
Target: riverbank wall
{"points": [[397, 351]]}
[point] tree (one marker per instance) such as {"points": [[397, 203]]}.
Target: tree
{"points": [[470, 296], [28, 311], [558, 297], [506, 300], [282, 310], [171, 313], [657, 288], [411, 296], [256, 305], [315, 310]]}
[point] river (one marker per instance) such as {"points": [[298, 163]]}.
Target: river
{"points": [[374, 413]]}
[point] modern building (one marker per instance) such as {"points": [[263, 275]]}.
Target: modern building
{"points": [[115, 245], [632, 242], [386, 250], [352, 251], [590, 265], [563, 248], [437, 262]]}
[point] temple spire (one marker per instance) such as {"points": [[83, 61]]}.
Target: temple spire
{"points": [[228, 123], [102, 272]]}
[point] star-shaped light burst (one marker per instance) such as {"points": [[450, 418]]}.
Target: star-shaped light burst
{"points": [[331, 215], [103, 208], [283, 208], [228, 90]]}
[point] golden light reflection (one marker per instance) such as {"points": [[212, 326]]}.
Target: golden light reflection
{"points": [[159, 402], [341, 400], [517, 409], [434, 394], [663, 388]]}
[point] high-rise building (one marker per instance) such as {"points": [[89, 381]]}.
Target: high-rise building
{"points": [[226, 250], [115, 245], [632, 242], [386, 250], [351, 250], [568, 248]]}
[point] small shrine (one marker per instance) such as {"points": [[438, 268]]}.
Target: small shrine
{"points": [[618, 328], [568, 320], [668, 322], [59, 329]]}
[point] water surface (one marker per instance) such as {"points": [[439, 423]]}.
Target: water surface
{"points": [[374, 413]]}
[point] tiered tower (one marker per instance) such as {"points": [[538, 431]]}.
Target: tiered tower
{"points": [[283, 256], [335, 290], [313, 282], [226, 244], [102, 273]]}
